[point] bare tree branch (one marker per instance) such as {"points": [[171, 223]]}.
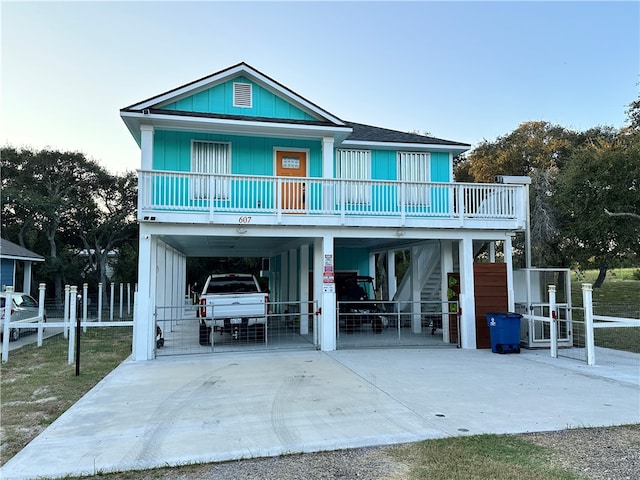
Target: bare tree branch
{"points": [[624, 214]]}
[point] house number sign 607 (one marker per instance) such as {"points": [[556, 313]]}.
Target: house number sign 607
{"points": [[244, 219]]}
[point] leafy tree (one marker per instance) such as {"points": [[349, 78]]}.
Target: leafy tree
{"points": [[534, 149], [59, 203], [108, 221], [601, 176]]}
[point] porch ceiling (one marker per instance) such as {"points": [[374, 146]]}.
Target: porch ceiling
{"points": [[204, 246]]}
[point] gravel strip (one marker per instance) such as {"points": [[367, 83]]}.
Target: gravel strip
{"points": [[594, 453]]}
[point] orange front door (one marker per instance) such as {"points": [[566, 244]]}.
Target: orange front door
{"points": [[292, 164]]}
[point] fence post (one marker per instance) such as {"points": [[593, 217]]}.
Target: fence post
{"points": [[100, 302], [121, 298], [552, 320], [113, 287], [41, 290], [85, 300], [6, 331], [587, 302], [72, 325], [65, 315], [128, 299]]}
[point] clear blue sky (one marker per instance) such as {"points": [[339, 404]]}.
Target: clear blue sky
{"points": [[464, 71]]}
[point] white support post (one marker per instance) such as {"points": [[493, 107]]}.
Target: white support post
{"points": [[26, 280], [304, 289], [294, 281], [85, 298], [508, 260], [446, 265], [128, 299], [121, 298], [329, 320], [318, 258], [587, 302], [72, 323], [65, 315], [553, 320], [392, 282], [111, 300], [492, 251], [467, 331], [100, 302], [416, 305], [327, 173], [41, 292], [6, 330], [144, 321]]}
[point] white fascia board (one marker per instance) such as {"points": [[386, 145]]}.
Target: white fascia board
{"points": [[22, 259], [189, 89], [455, 149], [209, 82], [238, 127]]}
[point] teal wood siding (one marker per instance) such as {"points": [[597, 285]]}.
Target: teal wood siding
{"points": [[249, 155], [352, 259], [384, 165], [440, 170], [219, 99]]}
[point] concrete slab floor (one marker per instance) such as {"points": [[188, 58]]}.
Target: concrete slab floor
{"points": [[207, 408]]}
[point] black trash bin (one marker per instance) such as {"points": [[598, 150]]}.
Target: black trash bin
{"points": [[504, 329]]}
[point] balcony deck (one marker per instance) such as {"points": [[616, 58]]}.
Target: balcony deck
{"points": [[185, 197]]}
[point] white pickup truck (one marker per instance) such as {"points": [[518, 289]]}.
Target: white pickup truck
{"points": [[232, 303]]}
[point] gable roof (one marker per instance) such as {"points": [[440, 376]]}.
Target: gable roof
{"points": [[226, 74], [11, 251], [356, 135]]}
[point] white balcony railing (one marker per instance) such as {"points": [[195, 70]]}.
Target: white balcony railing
{"points": [[182, 192]]}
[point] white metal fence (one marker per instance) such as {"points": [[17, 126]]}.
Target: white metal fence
{"points": [[575, 332], [64, 322]]}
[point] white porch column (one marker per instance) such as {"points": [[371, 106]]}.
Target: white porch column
{"points": [[327, 172], [26, 281], [146, 147], [392, 281], [446, 266], [416, 307], [467, 294], [492, 251], [508, 259], [325, 272], [304, 290], [284, 280], [144, 321], [318, 265], [293, 276]]}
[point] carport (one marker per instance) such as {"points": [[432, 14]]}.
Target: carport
{"points": [[300, 271]]}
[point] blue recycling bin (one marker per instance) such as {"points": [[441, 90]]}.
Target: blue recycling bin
{"points": [[504, 329]]}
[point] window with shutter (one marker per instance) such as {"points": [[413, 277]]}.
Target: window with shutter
{"points": [[355, 165], [413, 167], [212, 158]]}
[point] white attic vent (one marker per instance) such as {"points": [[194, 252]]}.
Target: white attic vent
{"points": [[242, 95]]}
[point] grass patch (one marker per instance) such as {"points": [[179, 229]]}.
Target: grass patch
{"points": [[619, 296], [478, 457], [38, 385]]}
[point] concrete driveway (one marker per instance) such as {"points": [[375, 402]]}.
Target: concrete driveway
{"points": [[228, 406]]}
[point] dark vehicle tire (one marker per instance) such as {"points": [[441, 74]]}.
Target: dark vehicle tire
{"points": [[205, 335], [14, 334], [260, 333]]}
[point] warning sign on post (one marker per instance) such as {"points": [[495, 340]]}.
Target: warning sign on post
{"points": [[327, 274]]}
